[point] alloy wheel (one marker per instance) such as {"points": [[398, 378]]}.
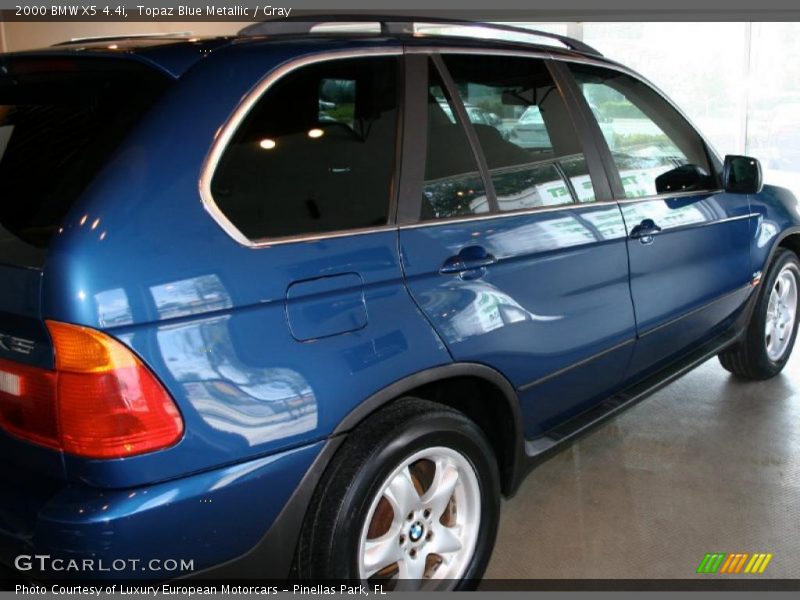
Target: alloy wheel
{"points": [[423, 523], [781, 314]]}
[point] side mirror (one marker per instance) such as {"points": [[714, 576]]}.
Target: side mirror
{"points": [[742, 175], [681, 179]]}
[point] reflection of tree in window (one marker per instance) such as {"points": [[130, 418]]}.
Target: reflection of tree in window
{"points": [[453, 187], [647, 137], [337, 101], [524, 131]]}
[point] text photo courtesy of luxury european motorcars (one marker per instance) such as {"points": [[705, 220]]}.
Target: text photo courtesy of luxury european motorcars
{"points": [[356, 303]]}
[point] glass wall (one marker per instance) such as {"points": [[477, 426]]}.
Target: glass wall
{"points": [[738, 82], [773, 116]]}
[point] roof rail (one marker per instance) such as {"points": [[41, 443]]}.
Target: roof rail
{"points": [[397, 25], [111, 38]]}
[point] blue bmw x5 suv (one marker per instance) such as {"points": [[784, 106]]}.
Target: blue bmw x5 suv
{"points": [[279, 305]]}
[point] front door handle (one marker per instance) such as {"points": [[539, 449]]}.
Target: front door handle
{"points": [[470, 262], [645, 231]]}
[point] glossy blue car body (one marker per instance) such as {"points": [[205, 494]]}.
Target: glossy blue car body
{"points": [[274, 354]]}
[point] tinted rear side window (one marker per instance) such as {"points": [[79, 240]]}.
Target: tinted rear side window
{"points": [[532, 150], [316, 154], [523, 129], [60, 119]]}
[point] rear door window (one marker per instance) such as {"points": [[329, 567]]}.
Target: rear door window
{"points": [[60, 120], [523, 129]]}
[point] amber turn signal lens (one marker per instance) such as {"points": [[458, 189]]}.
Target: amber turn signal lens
{"points": [[84, 350]]}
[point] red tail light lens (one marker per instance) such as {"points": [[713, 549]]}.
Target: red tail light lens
{"points": [[28, 403], [100, 402]]}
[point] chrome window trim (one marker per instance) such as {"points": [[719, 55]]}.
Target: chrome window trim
{"points": [[559, 208], [464, 50], [231, 125], [500, 215], [226, 132], [689, 194]]}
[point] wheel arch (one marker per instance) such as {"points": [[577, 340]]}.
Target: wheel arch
{"points": [[763, 257], [479, 391], [790, 240]]}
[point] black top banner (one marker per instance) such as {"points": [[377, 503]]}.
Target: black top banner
{"points": [[506, 10]]}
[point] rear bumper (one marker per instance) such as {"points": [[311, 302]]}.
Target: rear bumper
{"points": [[163, 531]]}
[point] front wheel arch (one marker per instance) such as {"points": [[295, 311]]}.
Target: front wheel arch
{"points": [[791, 241]]}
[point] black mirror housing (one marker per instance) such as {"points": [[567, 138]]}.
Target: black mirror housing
{"points": [[684, 178], [742, 175]]}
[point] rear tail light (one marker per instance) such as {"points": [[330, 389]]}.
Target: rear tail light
{"points": [[100, 402], [28, 403]]}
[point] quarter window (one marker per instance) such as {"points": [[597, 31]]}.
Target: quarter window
{"points": [[655, 150], [316, 154]]}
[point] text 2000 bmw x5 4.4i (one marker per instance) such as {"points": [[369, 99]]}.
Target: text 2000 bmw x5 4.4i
{"points": [[307, 304]]}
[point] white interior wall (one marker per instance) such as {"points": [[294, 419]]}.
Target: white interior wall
{"points": [[16, 36]]}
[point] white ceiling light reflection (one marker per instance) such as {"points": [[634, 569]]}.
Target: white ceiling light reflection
{"points": [[267, 144], [315, 133]]}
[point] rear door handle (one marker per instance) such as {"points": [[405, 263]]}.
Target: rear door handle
{"points": [[645, 231], [471, 260]]}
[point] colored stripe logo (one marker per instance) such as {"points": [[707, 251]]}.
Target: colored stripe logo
{"points": [[734, 563]]}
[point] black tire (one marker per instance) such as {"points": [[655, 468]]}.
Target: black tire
{"points": [[748, 358], [331, 535]]}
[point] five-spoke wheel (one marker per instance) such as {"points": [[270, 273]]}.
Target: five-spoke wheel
{"points": [[781, 313], [424, 521], [410, 501]]}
